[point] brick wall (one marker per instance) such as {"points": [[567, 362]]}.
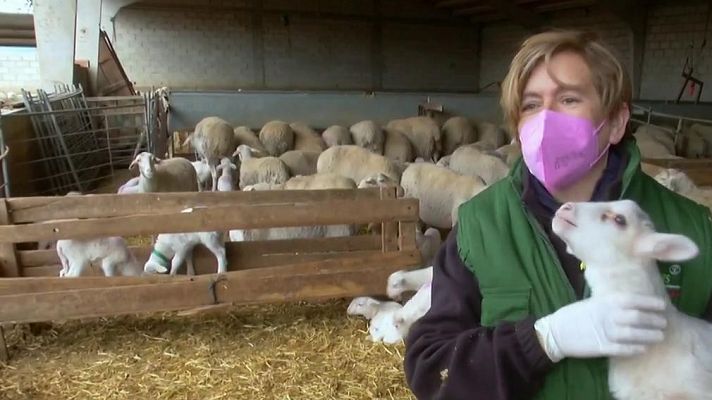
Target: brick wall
{"points": [[19, 69], [319, 45]]}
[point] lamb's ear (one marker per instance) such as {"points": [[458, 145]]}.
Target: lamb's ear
{"points": [[666, 247]]}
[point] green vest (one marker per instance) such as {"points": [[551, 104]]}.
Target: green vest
{"points": [[519, 273]]}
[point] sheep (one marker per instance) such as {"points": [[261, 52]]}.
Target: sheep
{"points": [[619, 246], [469, 160], [226, 181], [444, 161], [202, 170], [457, 131], [690, 144], [440, 192], [392, 326], [356, 163], [131, 186], [423, 133], [213, 139], [510, 153], [678, 182], [397, 147], [491, 134], [306, 139], [300, 162], [380, 180], [428, 244], [368, 307], [369, 135], [336, 135], [172, 175], [172, 249], [277, 137], [652, 148], [77, 255], [256, 170], [403, 281], [245, 135]]}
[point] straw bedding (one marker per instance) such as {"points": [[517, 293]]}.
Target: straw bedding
{"points": [[289, 351]]}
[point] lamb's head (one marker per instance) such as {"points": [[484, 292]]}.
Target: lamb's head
{"points": [[146, 163], [396, 284], [675, 180], [365, 306], [244, 152], [617, 233], [380, 180], [226, 165]]}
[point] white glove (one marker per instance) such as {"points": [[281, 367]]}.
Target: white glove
{"points": [[615, 325]]}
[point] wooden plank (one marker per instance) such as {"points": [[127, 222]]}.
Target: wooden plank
{"points": [[4, 353], [217, 218], [699, 171], [34, 209], [8, 256], [330, 279], [10, 286], [105, 301], [406, 237], [30, 259], [389, 230]]}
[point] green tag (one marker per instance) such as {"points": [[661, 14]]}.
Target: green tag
{"points": [[672, 278]]}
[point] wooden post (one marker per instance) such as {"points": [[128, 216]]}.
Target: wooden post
{"points": [[4, 353], [8, 257], [389, 230]]}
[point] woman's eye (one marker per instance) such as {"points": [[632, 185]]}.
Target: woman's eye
{"points": [[528, 107], [570, 100]]}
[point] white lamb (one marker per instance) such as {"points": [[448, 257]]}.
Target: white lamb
{"points": [[457, 131], [171, 175], [131, 186], [678, 182], [440, 191], [112, 253], [172, 249], [618, 245], [368, 307], [226, 181], [403, 281], [392, 326]]}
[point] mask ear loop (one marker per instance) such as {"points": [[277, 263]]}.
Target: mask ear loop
{"points": [[605, 149]]}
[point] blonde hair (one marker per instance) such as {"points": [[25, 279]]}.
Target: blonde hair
{"points": [[609, 77]]}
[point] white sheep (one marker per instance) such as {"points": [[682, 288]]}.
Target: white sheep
{"points": [[172, 249], [112, 253], [300, 162], [306, 139], [368, 307], [619, 246], [213, 139], [336, 135], [392, 326], [381, 181], [403, 281], [679, 182], [690, 144], [369, 135], [510, 153], [469, 160], [356, 163], [130, 186], [264, 169], [423, 133], [277, 137], [202, 170], [440, 192], [226, 181], [491, 134], [245, 135], [457, 131], [428, 244], [662, 135], [171, 175], [397, 147]]}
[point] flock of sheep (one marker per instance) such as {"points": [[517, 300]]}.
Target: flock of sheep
{"points": [[441, 163]]}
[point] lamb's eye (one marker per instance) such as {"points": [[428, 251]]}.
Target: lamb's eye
{"points": [[620, 220]]}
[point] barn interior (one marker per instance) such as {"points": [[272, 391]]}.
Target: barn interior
{"points": [[114, 78]]}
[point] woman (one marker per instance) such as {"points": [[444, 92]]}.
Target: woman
{"points": [[511, 317]]}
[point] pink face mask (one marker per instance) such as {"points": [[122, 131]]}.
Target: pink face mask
{"points": [[559, 148]]}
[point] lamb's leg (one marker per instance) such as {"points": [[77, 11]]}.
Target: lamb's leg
{"points": [[190, 268], [108, 267], [218, 249], [178, 260], [214, 174], [76, 269]]}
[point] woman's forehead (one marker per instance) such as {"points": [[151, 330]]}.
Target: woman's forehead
{"points": [[569, 70]]}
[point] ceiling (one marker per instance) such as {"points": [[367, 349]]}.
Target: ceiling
{"points": [[495, 10]]}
